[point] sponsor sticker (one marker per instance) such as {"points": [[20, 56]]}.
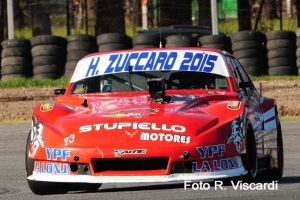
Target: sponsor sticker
{"points": [[237, 134], [216, 165], [234, 105], [36, 138], [52, 168], [120, 152], [45, 107]]}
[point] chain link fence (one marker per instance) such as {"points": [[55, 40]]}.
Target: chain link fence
{"points": [[94, 17]]}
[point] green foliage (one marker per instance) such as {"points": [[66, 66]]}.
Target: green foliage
{"points": [[23, 82], [274, 78]]}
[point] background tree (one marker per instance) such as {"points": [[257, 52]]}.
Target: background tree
{"points": [[41, 24], [109, 17], [204, 13], [178, 12], [244, 15]]}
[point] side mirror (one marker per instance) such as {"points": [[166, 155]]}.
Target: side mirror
{"points": [[60, 91], [245, 84]]}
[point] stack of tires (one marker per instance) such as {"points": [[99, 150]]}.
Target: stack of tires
{"points": [[179, 41], [249, 47], [298, 49], [140, 41], [113, 41], [49, 56], [79, 45], [16, 59], [281, 47], [220, 41]]}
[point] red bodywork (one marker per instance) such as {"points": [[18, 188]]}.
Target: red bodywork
{"points": [[128, 137]]}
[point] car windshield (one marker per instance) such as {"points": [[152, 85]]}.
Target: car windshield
{"points": [[137, 81]]}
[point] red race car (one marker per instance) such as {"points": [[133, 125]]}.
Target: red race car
{"points": [[154, 115]]}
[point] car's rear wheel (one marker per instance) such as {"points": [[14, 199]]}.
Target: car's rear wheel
{"points": [[276, 173], [41, 187], [250, 159]]}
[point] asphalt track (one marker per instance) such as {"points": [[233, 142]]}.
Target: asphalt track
{"points": [[13, 184]]}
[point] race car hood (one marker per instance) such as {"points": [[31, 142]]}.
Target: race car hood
{"points": [[120, 122]]}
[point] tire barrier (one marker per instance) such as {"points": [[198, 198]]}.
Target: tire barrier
{"points": [[79, 45], [140, 41], [249, 47], [297, 31], [113, 41], [16, 59], [220, 41], [48, 56], [179, 41], [281, 53]]}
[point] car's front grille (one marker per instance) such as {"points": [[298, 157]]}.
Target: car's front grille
{"points": [[129, 164]]}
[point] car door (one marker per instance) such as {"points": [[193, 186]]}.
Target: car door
{"points": [[248, 94]]}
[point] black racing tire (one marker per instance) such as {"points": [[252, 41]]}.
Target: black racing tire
{"points": [[246, 53], [247, 44], [146, 39], [68, 73], [250, 61], [282, 71], [48, 39], [212, 39], [15, 51], [298, 42], [47, 188], [85, 186], [282, 61], [13, 69], [81, 37], [70, 65], [246, 35], [113, 38], [216, 46], [250, 159], [298, 52], [45, 76], [280, 52], [281, 34], [48, 50], [254, 70], [179, 41], [281, 43], [298, 62], [297, 32], [81, 46], [12, 76], [29, 163], [15, 43], [111, 47], [76, 55], [275, 173], [42, 69], [143, 46], [15, 60], [278, 172], [47, 60]]}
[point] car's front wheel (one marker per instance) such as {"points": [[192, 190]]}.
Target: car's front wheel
{"points": [[41, 187]]}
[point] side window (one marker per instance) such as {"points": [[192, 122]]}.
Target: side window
{"points": [[235, 74], [244, 76]]}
